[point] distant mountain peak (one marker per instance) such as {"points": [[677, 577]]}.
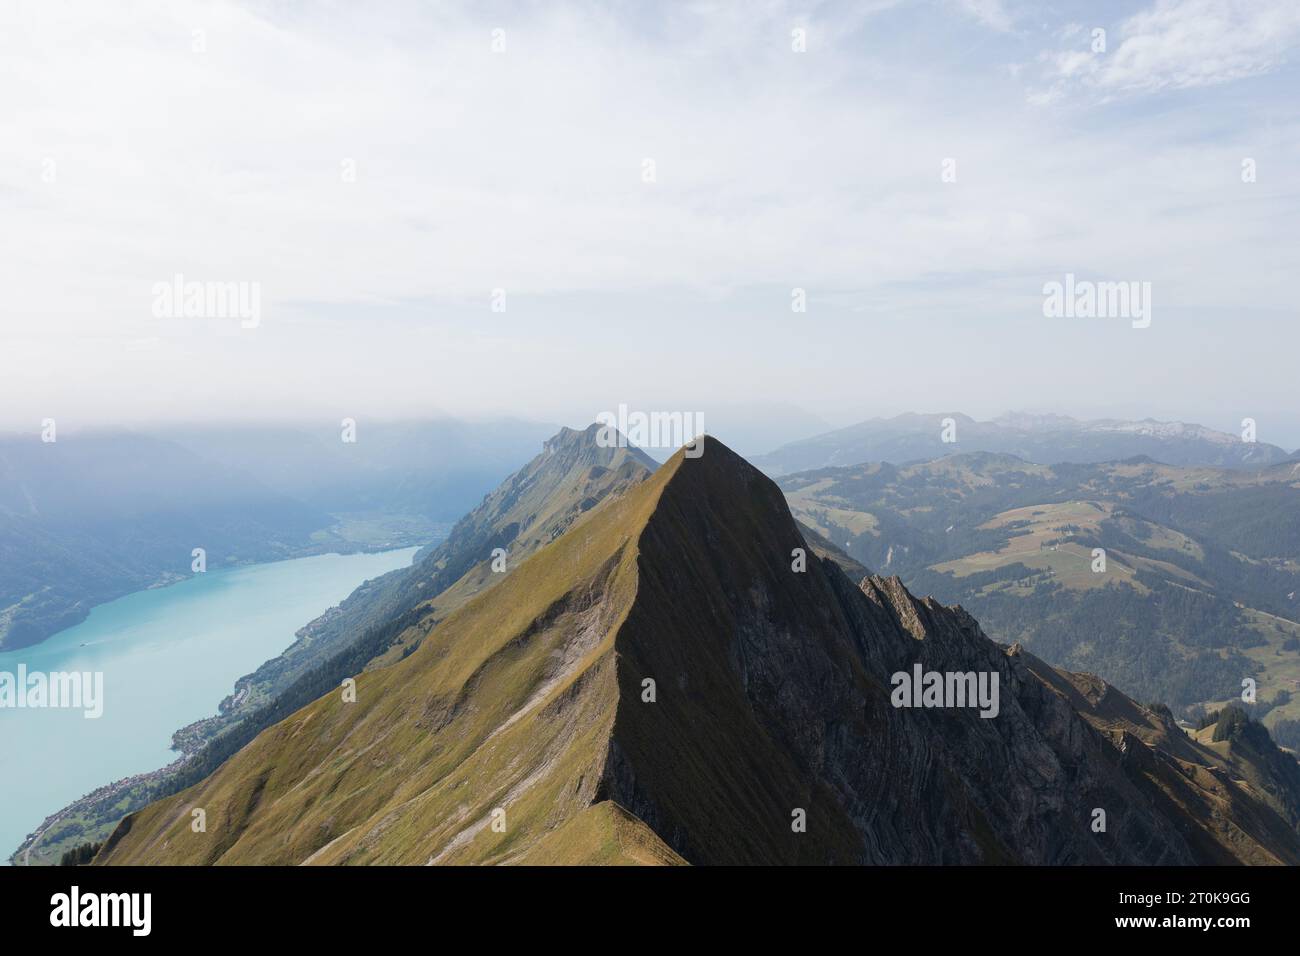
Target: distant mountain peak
{"points": [[597, 443], [1163, 429], [570, 437]]}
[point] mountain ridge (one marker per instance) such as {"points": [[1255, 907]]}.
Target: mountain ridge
{"points": [[528, 706], [386, 618]]}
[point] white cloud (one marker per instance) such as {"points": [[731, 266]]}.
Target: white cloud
{"points": [[522, 170], [991, 13], [1180, 44]]}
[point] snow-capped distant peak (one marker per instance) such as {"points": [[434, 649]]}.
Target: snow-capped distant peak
{"points": [[1157, 429]]}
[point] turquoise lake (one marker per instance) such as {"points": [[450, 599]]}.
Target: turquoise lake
{"points": [[169, 656]]}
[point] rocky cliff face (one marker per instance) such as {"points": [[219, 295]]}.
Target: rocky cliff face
{"points": [[790, 674], [679, 676]]}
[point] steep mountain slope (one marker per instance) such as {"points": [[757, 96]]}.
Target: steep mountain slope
{"points": [[531, 508], [385, 617], [383, 620], [661, 682], [1199, 589], [1047, 439], [445, 723]]}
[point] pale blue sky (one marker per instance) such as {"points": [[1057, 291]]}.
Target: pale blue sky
{"points": [[137, 148]]}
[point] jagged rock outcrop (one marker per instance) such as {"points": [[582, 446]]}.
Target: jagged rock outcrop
{"points": [[662, 683]]}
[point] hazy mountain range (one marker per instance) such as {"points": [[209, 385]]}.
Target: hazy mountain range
{"points": [[98, 515], [87, 519], [437, 469], [1045, 439]]}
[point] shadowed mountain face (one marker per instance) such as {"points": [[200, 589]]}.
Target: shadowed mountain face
{"points": [[1197, 586], [1046, 439], [668, 681]]}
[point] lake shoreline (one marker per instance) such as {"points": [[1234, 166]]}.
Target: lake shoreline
{"points": [[220, 626], [323, 541]]}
